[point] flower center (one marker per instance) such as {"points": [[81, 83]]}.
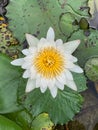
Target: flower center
{"points": [[49, 62]]}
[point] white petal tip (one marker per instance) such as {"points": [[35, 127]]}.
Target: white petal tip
{"points": [[51, 29], [25, 76], [32, 40], [25, 52], [78, 41], [71, 46], [80, 70], [43, 90], [54, 92], [50, 34], [28, 90], [54, 96], [17, 62], [75, 89], [12, 63], [30, 85], [71, 84], [27, 35]]}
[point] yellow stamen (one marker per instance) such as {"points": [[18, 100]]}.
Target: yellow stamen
{"points": [[49, 62]]}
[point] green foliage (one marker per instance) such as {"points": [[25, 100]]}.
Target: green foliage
{"points": [[88, 46], [27, 122], [42, 122], [10, 77], [37, 16], [91, 69], [66, 103], [9, 80], [6, 124], [22, 118], [66, 24], [83, 24], [80, 81]]}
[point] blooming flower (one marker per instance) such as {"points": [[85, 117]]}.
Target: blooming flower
{"points": [[48, 63]]}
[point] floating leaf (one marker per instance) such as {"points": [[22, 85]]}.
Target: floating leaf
{"points": [[42, 122], [80, 81], [88, 46], [27, 121], [6, 124], [22, 118], [37, 16], [66, 24], [66, 103], [91, 69], [9, 80]]}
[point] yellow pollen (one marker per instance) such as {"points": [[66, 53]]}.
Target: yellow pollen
{"points": [[49, 62]]}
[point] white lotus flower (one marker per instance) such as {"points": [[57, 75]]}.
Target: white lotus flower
{"points": [[48, 63]]}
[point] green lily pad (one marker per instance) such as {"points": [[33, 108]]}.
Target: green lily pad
{"points": [[88, 46], [37, 16], [42, 122], [6, 124], [22, 118], [91, 69], [80, 81], [9, 80], [61, 109]]}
